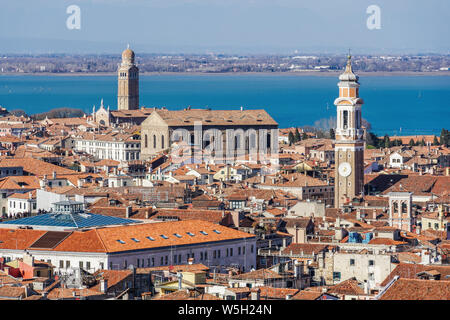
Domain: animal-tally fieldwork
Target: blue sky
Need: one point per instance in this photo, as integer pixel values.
(230, 26)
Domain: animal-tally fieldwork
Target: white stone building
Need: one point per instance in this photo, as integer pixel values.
(113, 145)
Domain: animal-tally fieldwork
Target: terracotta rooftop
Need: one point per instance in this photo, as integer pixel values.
(118, 239)
(215, 117)
(410, 271)
(413, 289)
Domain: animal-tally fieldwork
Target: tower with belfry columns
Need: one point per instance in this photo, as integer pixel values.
(349, 143)
(128, 82)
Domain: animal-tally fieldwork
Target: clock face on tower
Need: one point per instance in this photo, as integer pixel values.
(345, 169)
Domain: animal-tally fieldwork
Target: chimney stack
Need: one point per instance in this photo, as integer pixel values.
(103, 285)
(127, 211)
(255, 294)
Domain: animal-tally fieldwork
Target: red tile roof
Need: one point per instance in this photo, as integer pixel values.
(413, 289)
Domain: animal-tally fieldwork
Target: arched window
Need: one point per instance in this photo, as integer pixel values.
(146, 141)
(154, 142)
(345, 124)
(404, 208)
(162, 142)
(395, 207)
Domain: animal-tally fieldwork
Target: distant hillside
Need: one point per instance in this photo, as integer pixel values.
(59, 113)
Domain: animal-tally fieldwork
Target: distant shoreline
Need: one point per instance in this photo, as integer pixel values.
(300, 74)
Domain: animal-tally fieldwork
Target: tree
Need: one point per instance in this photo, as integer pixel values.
(372, 140)
(291, 138)
(304, 136)
(387, 141)
(411, 142)
(445, 137)
(332, 134)
(435, 141)
(422, 142)
(297, 135)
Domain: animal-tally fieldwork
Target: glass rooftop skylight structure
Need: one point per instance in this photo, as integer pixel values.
(67, 215)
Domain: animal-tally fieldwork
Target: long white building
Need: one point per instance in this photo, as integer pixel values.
(141, 245)
(113, 145)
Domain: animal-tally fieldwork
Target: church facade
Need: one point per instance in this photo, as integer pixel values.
(238, 132)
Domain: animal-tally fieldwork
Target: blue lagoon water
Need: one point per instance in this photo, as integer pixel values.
(393, 104)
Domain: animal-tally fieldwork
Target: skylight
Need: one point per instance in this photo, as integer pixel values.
(164, 236)
(150, 238)
(190, 233)
(177, 235)
(135, 240)
(120, 241)
(204, 233)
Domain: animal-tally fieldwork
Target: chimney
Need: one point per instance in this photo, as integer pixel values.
(366, 288)
(103, 285)
(190, 261)
(255, 294)
(297, 266)
(358, 214)
(127, 211)
(147, 213)
(235, 216)
(80, 183)
(263, 178)
(180, 283)
(28, 259)
(54, 175)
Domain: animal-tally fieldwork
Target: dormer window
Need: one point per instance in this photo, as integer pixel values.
(177, 235)
(164, 236)
(204, 233)
(190, 233)
(120, 241)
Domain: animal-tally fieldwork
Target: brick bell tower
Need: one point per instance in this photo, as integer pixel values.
(349, 143)
(128, 82)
